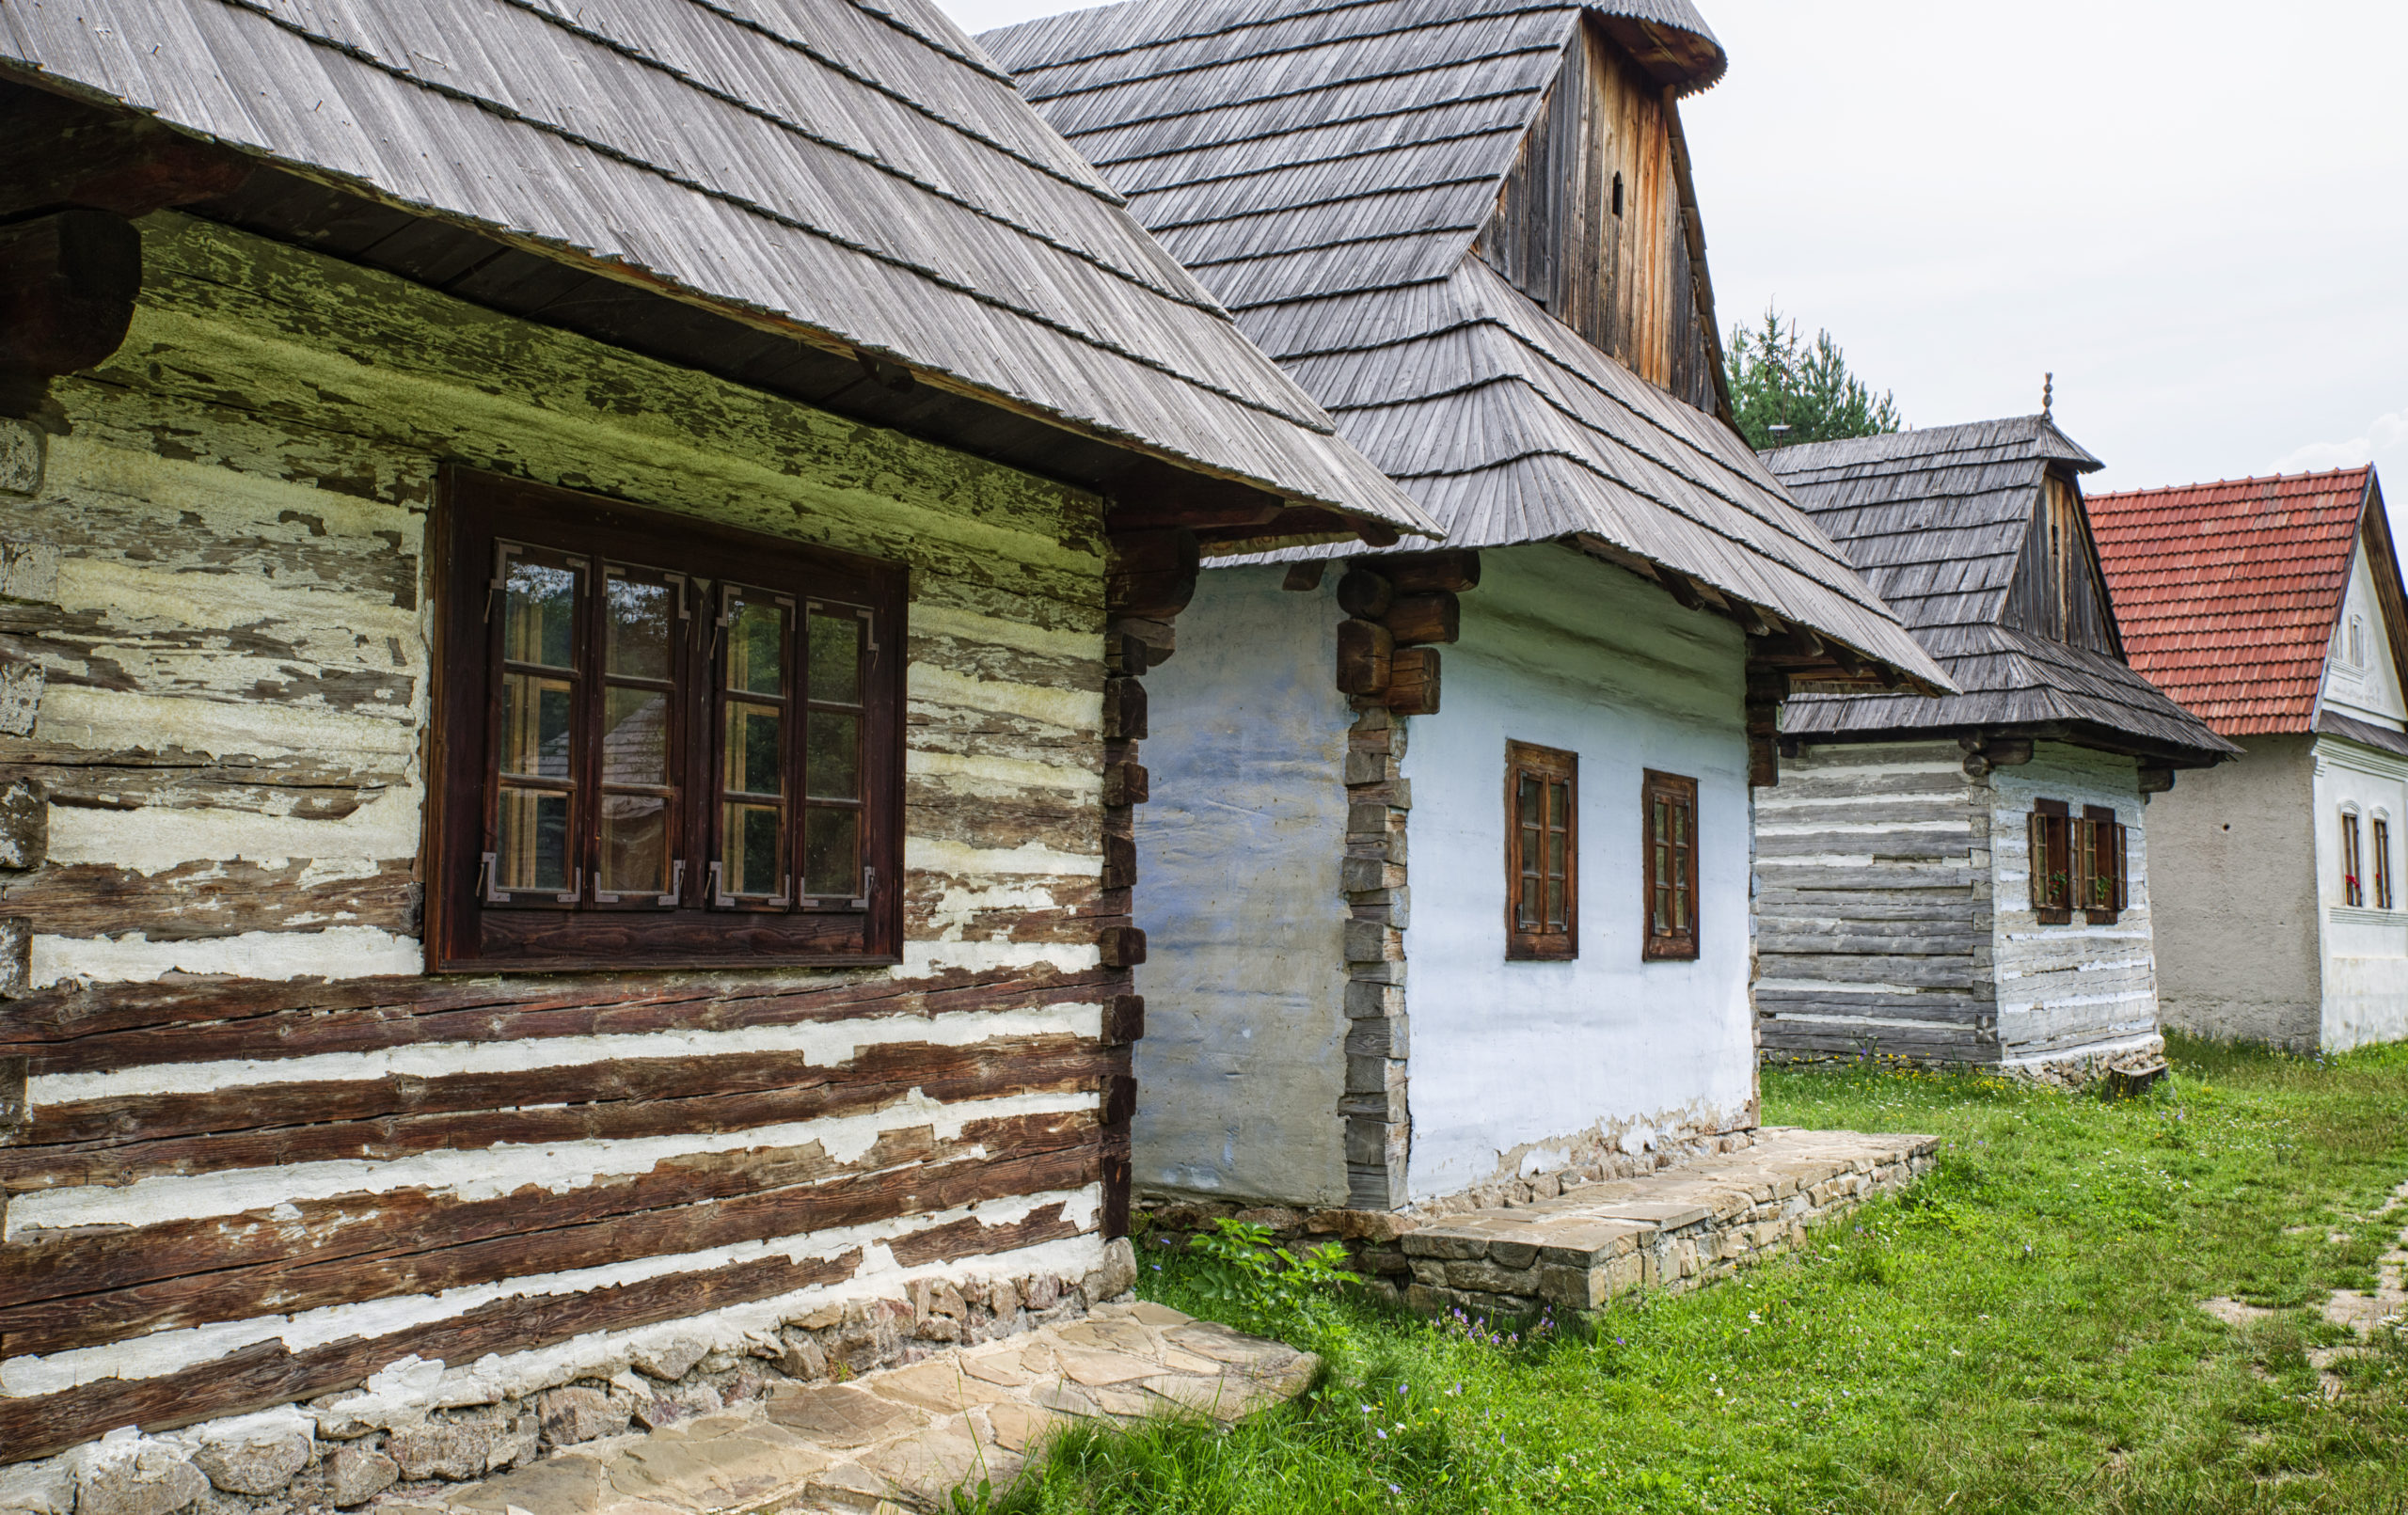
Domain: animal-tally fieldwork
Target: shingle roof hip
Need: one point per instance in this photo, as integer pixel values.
(858, 173)
(1352, 259)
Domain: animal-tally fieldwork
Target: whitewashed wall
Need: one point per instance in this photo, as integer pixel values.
(1518, 1065)
(2067, 992)
(2364, 963)
(1238, 891)
(2234, 901)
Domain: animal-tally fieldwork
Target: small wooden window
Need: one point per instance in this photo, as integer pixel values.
(2382, 864)
(1669, 814)
(2353, 889)
(660, 743)
(2051, 841)
(1541, 853)
(2099, 872)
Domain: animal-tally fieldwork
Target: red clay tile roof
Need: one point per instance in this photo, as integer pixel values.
(2226, 593)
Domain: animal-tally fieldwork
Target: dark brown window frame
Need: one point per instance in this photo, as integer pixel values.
(2353, 892)
(473, 927)
(1667, 943)
(2381, 840)
(1529, 939)
(2101, 876)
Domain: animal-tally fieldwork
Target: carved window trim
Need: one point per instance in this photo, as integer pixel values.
(1668, 908)
(484, 916)
(1541, 803)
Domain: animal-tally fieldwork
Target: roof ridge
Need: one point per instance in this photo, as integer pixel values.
(2234, 483)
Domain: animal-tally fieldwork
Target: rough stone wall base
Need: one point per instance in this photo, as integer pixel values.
(1580, 1253)
(346, 1448)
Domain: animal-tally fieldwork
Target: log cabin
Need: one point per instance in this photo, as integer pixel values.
(1965, 881)
(1470, 232)
(2274, 608)
(576, 587)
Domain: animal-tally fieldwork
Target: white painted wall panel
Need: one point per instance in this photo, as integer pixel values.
(2364, 947)
(1515, 1064)
(1242, 1064)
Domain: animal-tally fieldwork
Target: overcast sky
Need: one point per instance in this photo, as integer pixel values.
(2195, 214)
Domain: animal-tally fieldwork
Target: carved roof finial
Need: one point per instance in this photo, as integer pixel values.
(2048, 392)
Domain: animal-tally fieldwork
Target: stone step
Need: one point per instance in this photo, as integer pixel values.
(1673, 1230)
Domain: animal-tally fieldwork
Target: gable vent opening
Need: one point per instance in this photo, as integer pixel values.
(1617, 192)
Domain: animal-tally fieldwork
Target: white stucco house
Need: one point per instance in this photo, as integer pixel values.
(1407, 951)
(2273, 608)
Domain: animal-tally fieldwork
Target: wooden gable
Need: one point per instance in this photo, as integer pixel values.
(2058, 591)
(1599, 224)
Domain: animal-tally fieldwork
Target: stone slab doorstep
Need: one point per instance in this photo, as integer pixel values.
(903, 1439)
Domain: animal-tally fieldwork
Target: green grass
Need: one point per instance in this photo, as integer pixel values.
(2021, 1332)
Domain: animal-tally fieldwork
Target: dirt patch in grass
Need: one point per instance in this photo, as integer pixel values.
(2024, 1332)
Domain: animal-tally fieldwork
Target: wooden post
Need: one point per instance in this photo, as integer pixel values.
(1418, 620)
(1419, 572)
(1366, 593)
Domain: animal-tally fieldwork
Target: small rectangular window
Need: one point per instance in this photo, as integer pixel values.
(1541, 853)
(2051, 844)
(660, 743)
(1668, 812)
(2099, 876)
(2353, 889)
(2382, 864)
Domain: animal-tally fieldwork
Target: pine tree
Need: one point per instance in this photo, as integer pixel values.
(1784, 392)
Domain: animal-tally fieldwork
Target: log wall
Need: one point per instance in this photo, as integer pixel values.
(1895, 915)
(1874, 906)
(263, 1155)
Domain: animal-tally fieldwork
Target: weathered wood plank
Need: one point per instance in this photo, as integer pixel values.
(83, 1029)
(122, 1139)
(414, 1243)
(214, 899)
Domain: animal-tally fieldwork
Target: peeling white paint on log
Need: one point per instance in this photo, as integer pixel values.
(931, 855)
(107, 719)
(1072, 710)
(989, 778)
(173, 1350)
(814, 1043)
(335, 952)
(484, 1172)
(153, 839)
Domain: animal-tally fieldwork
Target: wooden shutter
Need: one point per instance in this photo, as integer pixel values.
(2054, 845)
(2123, 871)
(1542, 852)
(1668, 835)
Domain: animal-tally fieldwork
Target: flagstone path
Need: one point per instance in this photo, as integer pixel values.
(904, 1438)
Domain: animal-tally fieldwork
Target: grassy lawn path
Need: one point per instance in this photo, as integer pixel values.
(2022, 1332)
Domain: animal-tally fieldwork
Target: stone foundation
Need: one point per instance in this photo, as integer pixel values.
(1673, 1231)
(1371, 1238)
(414, 1429)
(2071, 1071)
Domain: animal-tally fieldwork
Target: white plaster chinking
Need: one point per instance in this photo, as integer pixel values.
(2071, 995)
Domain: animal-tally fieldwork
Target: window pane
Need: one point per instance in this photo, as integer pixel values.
(539, 614)
(635, 845)
(639, 618)
(831, 755)
(752, 859)
(1559, 805)
(753, 749)
(535, 725)
(533, 840)
(836, 658)
(1660, 827)
(830, 839)
(757, 634)
(1525, 913)
(1554, 905)
(1528, 802)
(1663, 908)
(1555, 855)
(635, 737)
(1680, 910)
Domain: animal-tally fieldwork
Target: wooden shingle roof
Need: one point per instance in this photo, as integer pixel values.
(1936, 520)
(852, 172)
(1326, 170)
(2229, 592)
